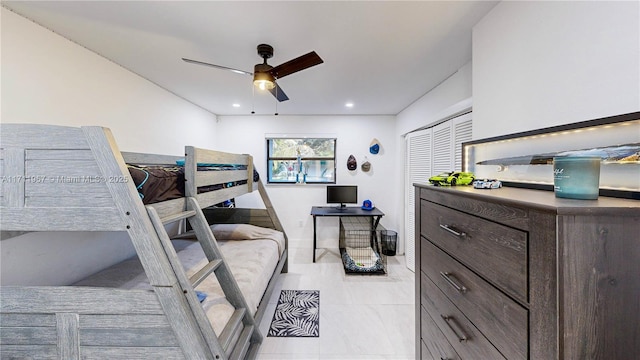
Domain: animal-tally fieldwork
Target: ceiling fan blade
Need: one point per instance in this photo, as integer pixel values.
(217, 66)
(278, 93)
(297, 64)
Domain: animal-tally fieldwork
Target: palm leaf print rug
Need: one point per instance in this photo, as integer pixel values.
(297, 314)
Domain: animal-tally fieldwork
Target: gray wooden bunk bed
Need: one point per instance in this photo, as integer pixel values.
(75, 179)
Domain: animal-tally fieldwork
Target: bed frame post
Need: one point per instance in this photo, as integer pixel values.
(274, 217)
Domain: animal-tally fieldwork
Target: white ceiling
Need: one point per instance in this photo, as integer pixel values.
(379, 55)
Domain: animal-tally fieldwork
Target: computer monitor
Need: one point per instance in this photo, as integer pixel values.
(342, 194)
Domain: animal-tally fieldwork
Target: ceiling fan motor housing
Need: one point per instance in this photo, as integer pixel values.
(262, 68)
(265, 51)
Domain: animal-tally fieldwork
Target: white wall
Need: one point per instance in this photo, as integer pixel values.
(453, 95)
(50, 80)
(354, 134)
(544, 63)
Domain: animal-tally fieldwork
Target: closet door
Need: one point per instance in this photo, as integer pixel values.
(430, 152)
(461, 127)
(442, 148)
(418, 154)
(447, 143)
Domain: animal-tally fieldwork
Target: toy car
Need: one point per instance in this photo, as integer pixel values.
(452, 178)
(487, 184)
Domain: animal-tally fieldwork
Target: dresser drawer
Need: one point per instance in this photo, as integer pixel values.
(501, 320)
(434, 344)
(497, 252)
(468, 342)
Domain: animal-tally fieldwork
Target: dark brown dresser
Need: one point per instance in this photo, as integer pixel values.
(520, 274)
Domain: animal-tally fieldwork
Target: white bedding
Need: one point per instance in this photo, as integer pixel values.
(252, 262)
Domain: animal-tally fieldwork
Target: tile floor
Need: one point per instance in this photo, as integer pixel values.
(361, 317)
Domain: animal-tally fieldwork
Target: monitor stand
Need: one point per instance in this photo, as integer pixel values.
(341, 207)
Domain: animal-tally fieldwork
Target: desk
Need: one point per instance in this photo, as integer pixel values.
(316, 211)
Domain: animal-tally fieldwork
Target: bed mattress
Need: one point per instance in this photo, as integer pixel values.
(252, 262)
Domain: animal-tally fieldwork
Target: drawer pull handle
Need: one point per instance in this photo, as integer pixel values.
(453, 231)
(451, 322)
(459, 288)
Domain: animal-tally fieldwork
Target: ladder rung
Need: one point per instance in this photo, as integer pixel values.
(232, 327)
(240, 350)
(202, 274)
(178, 216)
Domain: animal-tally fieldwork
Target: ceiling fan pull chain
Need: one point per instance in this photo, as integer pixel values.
(276, 101)
(253, 99)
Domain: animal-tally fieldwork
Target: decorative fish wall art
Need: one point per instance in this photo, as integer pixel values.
(618, 154)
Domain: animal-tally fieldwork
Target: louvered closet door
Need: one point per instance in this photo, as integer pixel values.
(418, 154)
(430, 152)
(462, 127)
(442, 148)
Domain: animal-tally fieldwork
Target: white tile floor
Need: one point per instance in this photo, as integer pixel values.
(361, 317)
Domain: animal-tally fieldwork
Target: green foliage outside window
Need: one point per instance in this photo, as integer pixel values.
(310, 160)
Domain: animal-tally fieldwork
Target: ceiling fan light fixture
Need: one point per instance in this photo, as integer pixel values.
(264, 81)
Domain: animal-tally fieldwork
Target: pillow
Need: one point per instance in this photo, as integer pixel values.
(241, 232)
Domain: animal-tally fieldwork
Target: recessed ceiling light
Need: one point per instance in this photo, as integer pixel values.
(349, 104)
(236, 105)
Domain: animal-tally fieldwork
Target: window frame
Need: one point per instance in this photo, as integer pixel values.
(302, 158)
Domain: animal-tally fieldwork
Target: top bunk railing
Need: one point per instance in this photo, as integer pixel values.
(75, 179)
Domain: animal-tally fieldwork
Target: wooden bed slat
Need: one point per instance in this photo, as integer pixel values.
(77, 299)
(57, 154)
(61, 168)
(44, 320)
(204, 156)
(68, 219)
(40, 352)
(28, 335)
(30, 137)
(68, 201)
(123, 321)
(131, 353)
(66, 187)
(206, 178)
(128, 337)
(149, 159)
(216, 197)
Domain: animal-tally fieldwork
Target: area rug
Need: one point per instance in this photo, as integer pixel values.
(297, 314)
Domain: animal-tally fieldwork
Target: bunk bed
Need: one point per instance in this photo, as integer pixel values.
(191, 296)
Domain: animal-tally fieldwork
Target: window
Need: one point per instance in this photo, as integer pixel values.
(310, 160)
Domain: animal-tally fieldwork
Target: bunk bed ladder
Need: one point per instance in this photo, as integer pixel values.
(240, 338)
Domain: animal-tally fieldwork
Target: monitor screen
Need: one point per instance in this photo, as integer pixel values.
(342, 194)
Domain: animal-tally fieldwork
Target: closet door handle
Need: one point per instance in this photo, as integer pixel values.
(453, 231)
(455, 328)
(459, 288)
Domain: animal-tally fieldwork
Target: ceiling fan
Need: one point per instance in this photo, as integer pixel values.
(265, 75)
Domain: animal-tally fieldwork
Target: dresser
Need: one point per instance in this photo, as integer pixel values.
(520, 274)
